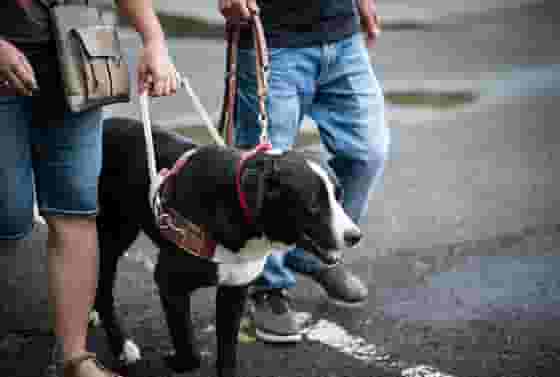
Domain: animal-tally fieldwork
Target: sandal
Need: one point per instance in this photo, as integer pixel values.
(71, 366)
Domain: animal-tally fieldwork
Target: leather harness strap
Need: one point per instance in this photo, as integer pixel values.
(173, 226)
(228, 109)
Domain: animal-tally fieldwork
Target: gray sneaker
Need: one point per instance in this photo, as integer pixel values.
(273, 317)
(341, 286)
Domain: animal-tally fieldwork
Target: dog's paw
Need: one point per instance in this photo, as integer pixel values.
(182, 364)
(130, 353)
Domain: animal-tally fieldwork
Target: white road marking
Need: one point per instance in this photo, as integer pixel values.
(423, 371)
(336, 337)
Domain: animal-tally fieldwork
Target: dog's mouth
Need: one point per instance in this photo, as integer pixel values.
(327, 256)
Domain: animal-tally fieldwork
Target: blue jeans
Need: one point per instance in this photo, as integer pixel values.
(59, 162)
(334, 84)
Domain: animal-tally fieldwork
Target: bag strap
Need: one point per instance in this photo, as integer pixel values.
(233, 32)
(52, 3)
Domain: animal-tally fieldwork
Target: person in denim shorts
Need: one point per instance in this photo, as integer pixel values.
(319, 67)
(54, 156)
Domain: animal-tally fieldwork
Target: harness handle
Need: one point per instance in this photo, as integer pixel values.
(146, 122)
(184, 82)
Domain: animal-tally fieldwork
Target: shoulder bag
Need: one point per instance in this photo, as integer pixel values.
(92, 64)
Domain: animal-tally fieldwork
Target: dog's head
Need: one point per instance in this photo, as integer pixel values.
(291, 199)
(296, 202)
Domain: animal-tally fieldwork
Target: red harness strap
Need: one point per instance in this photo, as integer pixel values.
(262, 147)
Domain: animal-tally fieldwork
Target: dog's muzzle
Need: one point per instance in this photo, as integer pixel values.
(330, 256)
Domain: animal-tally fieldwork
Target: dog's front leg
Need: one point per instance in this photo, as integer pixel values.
(176, 304)
(230, 304)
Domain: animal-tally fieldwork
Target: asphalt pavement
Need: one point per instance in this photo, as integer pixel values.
(461, 237)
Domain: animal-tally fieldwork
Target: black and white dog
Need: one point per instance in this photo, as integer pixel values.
(292, 199)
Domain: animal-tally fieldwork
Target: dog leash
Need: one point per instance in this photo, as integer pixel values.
(233, 32)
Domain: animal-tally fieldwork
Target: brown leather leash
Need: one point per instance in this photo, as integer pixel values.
(233, 32)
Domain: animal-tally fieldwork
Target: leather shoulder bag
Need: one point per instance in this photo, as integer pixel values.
(92, 64)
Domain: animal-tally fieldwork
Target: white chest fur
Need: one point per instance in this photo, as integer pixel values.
(240, 273)
(243, 267)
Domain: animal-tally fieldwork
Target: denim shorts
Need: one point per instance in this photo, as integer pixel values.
(60, 164)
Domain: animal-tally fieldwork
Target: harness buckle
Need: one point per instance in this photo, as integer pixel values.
(263, 120)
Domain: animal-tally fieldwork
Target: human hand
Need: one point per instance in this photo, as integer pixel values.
(371, 24)
(15, 71)
(237, 10)
(156, 71)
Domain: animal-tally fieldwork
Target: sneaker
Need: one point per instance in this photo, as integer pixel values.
(341, 287)
(273, 317)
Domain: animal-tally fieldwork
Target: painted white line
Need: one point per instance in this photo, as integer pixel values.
(336, 337)
(423, 371)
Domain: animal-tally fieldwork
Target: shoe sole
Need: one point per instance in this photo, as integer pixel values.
(340, 303)
(274, 338)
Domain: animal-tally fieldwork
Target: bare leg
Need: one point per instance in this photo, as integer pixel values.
(72, 275)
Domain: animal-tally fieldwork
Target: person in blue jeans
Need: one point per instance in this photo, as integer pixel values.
(319, 67)
(48, 150)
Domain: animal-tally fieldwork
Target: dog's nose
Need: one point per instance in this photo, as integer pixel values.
(352, 237)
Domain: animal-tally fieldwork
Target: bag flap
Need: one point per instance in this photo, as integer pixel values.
(99, 41)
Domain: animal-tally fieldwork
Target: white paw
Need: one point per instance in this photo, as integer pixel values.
(131, 352)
